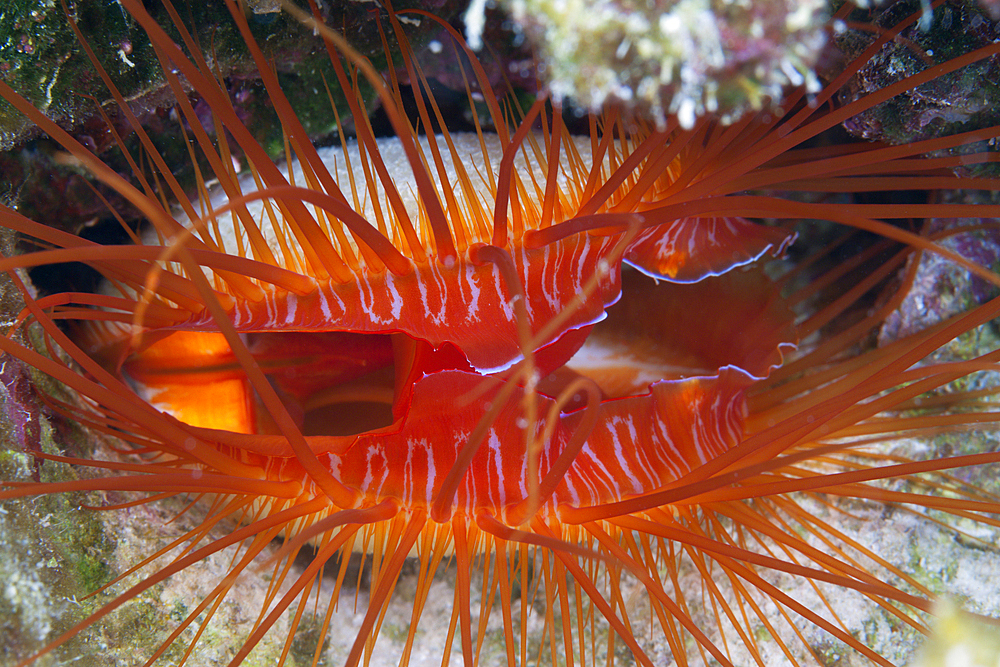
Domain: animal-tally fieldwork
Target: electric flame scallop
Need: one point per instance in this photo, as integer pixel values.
(555, 361)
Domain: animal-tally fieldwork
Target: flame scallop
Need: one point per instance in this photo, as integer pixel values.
(554, 358)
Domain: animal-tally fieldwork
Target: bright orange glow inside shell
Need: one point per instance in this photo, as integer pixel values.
(415, 347)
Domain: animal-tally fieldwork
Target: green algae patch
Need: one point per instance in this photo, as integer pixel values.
(307, 637)
(54, 554)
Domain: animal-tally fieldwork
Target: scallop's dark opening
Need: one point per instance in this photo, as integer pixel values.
(331, 383)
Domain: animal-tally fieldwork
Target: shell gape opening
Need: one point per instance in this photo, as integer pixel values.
(332, 383)
(342, 383)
